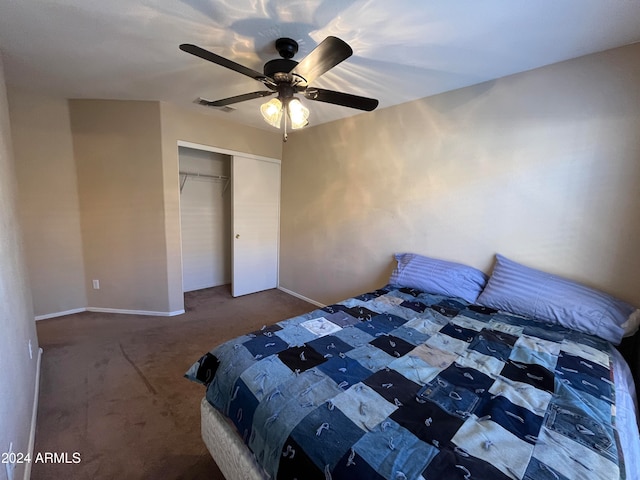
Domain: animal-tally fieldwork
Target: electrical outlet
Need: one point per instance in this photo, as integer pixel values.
(96, 284)
(11, 466)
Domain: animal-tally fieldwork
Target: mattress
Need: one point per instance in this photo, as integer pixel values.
(332, 389)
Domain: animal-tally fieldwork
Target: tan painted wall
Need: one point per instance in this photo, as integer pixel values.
(48, 201)
(17, 370)
(98, 185)
(190, 126)
(117, 148)
(542, 167)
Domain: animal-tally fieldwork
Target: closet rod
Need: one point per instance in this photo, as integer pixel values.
(203, 175)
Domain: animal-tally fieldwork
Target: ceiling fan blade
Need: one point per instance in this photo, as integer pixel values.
(329, 53)
(339, 98)
(224, 62)
(238, 98)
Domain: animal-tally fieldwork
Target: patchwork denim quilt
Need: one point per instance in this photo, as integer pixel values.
(400, 384)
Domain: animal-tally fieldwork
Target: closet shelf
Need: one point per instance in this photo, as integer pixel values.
(186, 175)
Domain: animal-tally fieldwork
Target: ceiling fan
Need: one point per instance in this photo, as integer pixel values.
(287, 77)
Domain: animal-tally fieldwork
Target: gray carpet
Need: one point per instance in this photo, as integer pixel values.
(112, 386)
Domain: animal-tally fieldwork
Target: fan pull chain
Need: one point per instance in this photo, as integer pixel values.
(286, 112)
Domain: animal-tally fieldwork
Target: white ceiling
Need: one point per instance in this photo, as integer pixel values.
(403, 49)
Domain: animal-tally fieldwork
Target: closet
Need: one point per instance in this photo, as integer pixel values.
(229, 219)
(205, 218)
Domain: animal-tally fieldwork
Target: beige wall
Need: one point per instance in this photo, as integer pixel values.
(48, 201)
(542, 167)
(100, 198)
(190, 126)
(17, 369)
(117, 149)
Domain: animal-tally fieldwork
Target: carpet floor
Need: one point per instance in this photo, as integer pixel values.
(112, 386)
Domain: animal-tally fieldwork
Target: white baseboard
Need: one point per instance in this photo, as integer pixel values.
(60, 314)
(34, 416)
(109, 310)
(301, 297)
(134, 312)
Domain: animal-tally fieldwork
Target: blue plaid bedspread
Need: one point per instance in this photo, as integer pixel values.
(400, 384)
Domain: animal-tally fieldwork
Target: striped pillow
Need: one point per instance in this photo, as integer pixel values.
(438, 276)
(525, 291)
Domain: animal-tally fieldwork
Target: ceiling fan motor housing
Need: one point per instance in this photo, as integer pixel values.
(279, 65)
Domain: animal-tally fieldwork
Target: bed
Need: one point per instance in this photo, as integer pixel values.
(443, 373)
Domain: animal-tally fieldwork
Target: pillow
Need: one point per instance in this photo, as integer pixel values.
(525, 291)
(632, 324)
(438, 276)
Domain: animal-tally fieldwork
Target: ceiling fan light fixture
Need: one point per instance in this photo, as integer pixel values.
(298, 113)
(272, 112)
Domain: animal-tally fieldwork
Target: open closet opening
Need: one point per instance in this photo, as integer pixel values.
(205, 218)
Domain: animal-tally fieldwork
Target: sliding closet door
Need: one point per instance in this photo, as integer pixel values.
(256, 224)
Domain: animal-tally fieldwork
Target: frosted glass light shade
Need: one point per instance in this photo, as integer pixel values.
(298, 113)
(272, 112)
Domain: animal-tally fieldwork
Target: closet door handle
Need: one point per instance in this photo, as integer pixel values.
(237, 235)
